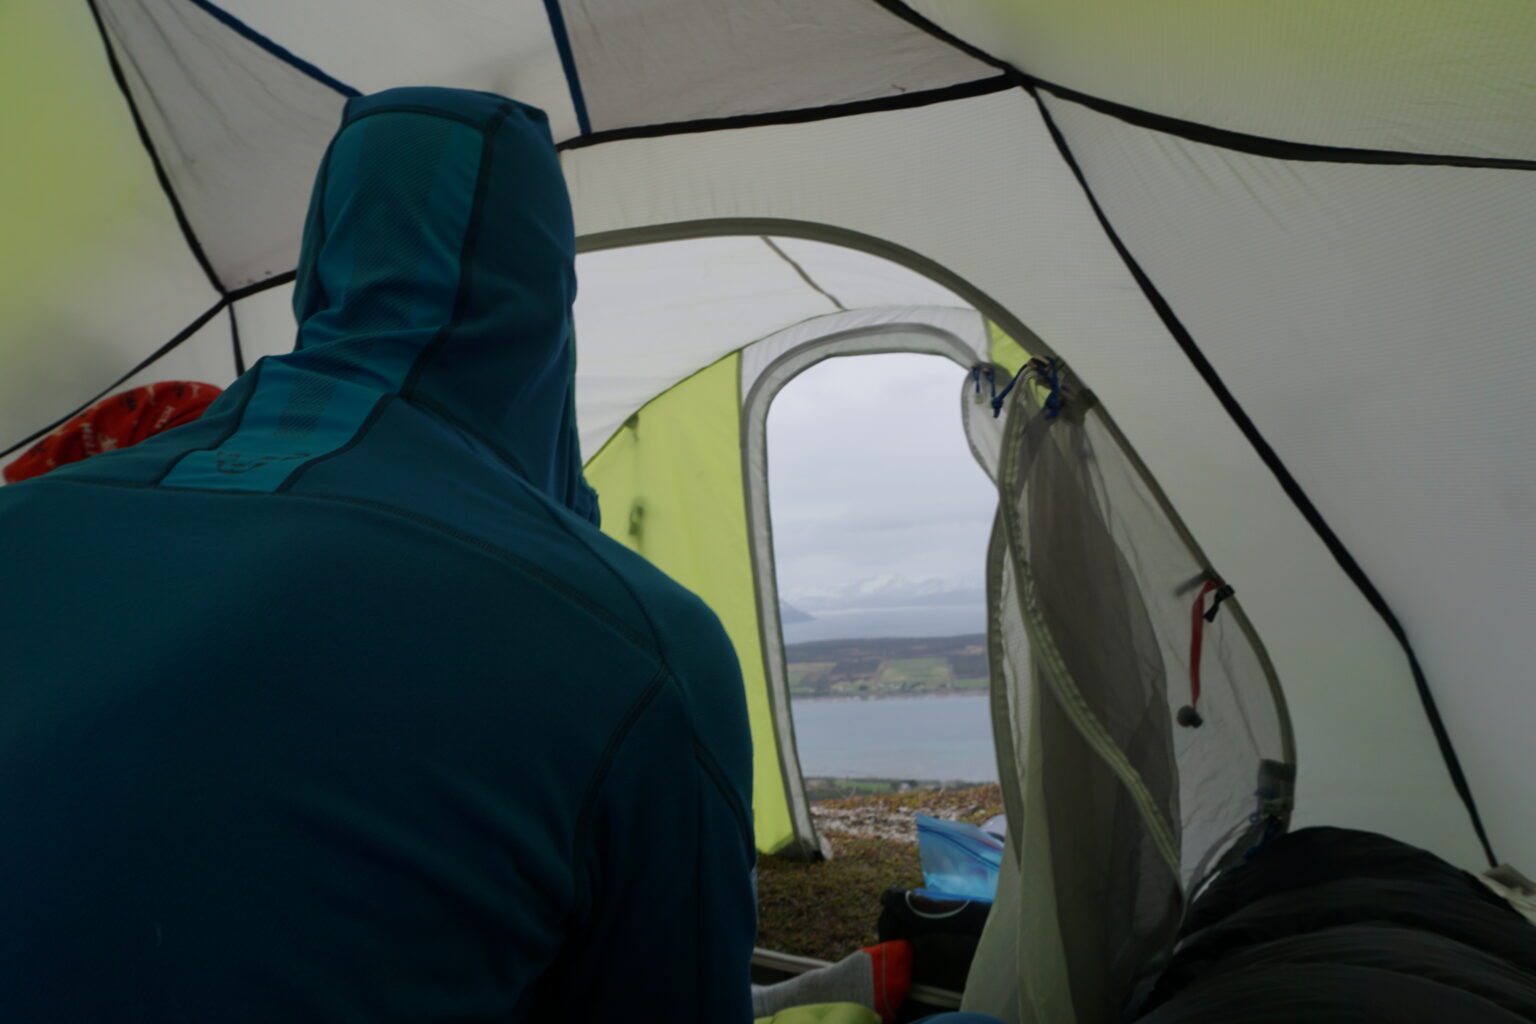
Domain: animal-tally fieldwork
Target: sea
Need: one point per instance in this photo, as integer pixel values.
(924, 739)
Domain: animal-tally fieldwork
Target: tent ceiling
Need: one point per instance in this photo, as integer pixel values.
(647, 63)
(227, 120)
(1417, 77)
(504, 46)
(647, 316)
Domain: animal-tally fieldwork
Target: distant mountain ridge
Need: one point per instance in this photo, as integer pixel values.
(789, 615)
(886, 591)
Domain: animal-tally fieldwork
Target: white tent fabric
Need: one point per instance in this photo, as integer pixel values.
(1340, 665)
(1412, 77)
(1286, 246)
(695, 301)
(504, 46)
(1391, 370)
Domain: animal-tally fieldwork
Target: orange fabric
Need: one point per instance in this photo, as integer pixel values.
(891, 971)
(118, 421)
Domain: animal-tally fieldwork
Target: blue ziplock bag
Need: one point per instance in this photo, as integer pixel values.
(958, 859)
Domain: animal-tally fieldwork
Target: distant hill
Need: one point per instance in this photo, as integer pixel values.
(789, 615)
(886, 667)
(889, 591)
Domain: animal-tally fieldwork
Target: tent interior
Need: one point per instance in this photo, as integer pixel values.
(1262, 274)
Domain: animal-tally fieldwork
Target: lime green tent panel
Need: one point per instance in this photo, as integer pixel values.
(1003, 350)
(670, 487)
(84, 175)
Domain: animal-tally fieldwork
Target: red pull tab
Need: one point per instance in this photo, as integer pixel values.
(1189, 716)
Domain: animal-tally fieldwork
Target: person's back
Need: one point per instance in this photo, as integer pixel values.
(333, 705)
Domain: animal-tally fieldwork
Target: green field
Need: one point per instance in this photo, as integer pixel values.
(880, 668)
(931, 672)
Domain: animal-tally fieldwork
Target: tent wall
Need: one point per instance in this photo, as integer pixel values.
(1017, 229)
(1391, 372)
(669, 483)
(94, 274)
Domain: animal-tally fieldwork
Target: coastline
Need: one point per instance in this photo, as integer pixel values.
(796, 698)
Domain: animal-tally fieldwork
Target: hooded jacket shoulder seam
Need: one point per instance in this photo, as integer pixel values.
(602, 773)
(617, 575)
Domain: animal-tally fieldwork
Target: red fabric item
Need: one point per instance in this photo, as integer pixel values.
(891, 964)
(118, 421)
(1197, 639)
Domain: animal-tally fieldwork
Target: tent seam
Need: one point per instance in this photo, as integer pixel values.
(234, 340)
(568, 65)
(282, 53)
(1224, 138)
(1267, 146)
(257, 287)
(228, 299)
(799, 115)
(804, 276)
(180, 336)
(182, 221)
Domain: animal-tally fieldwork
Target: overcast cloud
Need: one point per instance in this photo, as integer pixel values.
(869, 474)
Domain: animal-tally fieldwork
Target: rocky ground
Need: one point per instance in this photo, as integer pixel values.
(892, 816)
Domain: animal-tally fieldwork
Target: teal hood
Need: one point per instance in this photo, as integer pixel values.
(369, 725)
(438, 264)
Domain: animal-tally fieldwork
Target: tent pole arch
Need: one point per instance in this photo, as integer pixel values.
(925, 339)
(816, 232)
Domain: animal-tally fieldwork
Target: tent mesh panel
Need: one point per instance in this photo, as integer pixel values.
(1134, 807)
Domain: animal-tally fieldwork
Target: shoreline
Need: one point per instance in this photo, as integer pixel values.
(795, 698)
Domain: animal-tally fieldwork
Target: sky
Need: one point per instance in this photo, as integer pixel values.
(869, 474)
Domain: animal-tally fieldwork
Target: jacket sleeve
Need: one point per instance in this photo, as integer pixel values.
(667, 905)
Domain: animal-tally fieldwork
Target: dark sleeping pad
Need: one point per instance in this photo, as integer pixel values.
(1332, 906)
(1311, 855)
(1326, 994)
(1404, 950)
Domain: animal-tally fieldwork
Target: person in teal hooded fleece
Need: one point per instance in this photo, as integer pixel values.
(334, 705)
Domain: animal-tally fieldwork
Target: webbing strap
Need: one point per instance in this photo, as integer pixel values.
(1198, 616)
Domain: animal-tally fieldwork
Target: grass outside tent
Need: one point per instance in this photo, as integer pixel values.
(830, 908)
